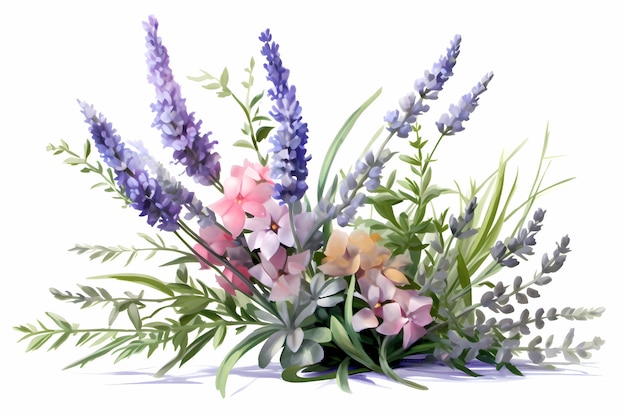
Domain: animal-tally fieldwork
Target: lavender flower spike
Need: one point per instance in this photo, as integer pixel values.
(145, 193)
(427, 88)
(179, 130)
(433, 81)
(289, 157)
(449, 124)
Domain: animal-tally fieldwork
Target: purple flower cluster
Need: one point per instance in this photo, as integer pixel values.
(179, 130)
(451, 123)
(520, 245)
(427, 88)
(145, 193)
(175, 190)
(289, 155)
(367, 173)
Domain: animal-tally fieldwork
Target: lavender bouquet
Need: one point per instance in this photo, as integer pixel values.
(358, 274)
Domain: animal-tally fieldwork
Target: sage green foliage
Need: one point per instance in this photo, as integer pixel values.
(187, 315)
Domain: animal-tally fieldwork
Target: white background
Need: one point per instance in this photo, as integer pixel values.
(556, 64)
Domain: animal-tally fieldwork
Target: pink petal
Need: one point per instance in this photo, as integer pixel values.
(364, 319)
(222, 206)
(411, 334)
(269, 244)
(285, 288)
(393, 321)
(234, 220)
(232, 188)
(254, 207)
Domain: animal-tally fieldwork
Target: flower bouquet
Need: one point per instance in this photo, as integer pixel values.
(359, 274)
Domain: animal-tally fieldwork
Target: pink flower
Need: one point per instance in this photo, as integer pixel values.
(410, 313)
(269, 231)
(376, 289)
(400, 310)
(229, 280)
(393, 320)
(218, 240)
(416, 308)
(245, 191)
(281, 273)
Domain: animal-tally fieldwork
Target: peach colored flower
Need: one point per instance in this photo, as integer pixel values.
(347, 255)
(342, 258)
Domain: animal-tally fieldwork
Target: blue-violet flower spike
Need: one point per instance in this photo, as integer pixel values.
(452, 123)
(145, 193)
(289, 155)
(179, 130)
(427, 88)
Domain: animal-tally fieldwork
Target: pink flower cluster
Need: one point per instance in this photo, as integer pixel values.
(391, 308)
(247, 209)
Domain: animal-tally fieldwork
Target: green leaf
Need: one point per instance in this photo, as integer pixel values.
(243, 144)
(464, 278)
(205, 76)
(190, 304)
(342, 375)
(231, 358)
(271, 347)
(318, 334)
(60, 321)
(390, 372)
(182, 260)
(262, 132)
(60, 341)
(183, 288)
(338, 141)
(197, 345)
(133, 315)
(224, 78)
(102, 351)
(142, 279)
(38, 341)
(74, 161)
(220, 335)
(212, 86)
(256, 99)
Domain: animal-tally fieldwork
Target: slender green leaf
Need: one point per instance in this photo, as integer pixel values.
(133, 315)
(342, 375)
(338, 141)
(142, 279)
(464, 278)
(232, 357)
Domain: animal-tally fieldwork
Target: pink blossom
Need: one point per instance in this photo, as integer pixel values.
(416, 308)
(269, 231)
(393, 320)
(218, 240)
(229, 279)
(376, 289)
(281, 273)
(245, 191)
(400, 310)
